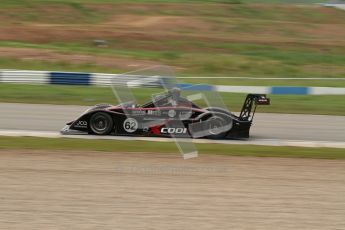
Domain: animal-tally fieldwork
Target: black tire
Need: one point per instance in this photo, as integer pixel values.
(101, 123)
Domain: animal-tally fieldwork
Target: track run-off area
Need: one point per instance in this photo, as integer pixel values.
(41, 120)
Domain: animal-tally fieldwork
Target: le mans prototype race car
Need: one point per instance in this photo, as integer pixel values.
(167, 115)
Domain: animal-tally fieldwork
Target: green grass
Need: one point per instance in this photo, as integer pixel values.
(260, 61)
(268, 82)
(21, 2)
(155, 147)
(63, 66)
(235, 40)
(289, 41)
(204, 70)
(85, 95)
(215, 8)
(11, 3)
(299, 104)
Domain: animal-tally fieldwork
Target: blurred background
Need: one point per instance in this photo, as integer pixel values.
(205, 41)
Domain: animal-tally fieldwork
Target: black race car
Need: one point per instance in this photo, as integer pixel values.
(167, 115)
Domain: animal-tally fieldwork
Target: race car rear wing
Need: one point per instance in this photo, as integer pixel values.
(247, 112)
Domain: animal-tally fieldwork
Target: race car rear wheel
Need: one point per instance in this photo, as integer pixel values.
(101, 123)
(215, 125)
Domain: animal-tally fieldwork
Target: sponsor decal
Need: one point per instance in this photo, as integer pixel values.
(152, 118)
(155, 130)
(130, 125)
(81, 124)
(185, 115)
(174, 130)
(172, 113)
(138, 112)
(154, 112)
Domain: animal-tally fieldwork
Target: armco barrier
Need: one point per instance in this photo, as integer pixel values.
(100, 79)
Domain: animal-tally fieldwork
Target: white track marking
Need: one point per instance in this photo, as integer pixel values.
(265, 142)
(268, 78)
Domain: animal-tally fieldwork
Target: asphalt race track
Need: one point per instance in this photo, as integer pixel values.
(35, 117)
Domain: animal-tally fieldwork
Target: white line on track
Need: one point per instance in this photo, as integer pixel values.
(265, 142)
(268, 78)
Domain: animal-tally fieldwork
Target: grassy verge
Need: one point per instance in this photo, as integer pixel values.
(85, 95)
(10, 3)
(267, 82)
(210, 78)
(240, 60)
(277, 40)
(62, 66)
(154, 147)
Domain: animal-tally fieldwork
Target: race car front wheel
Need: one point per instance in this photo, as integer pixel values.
(101, 123)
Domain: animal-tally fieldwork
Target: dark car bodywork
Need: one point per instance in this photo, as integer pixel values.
(162, 119)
